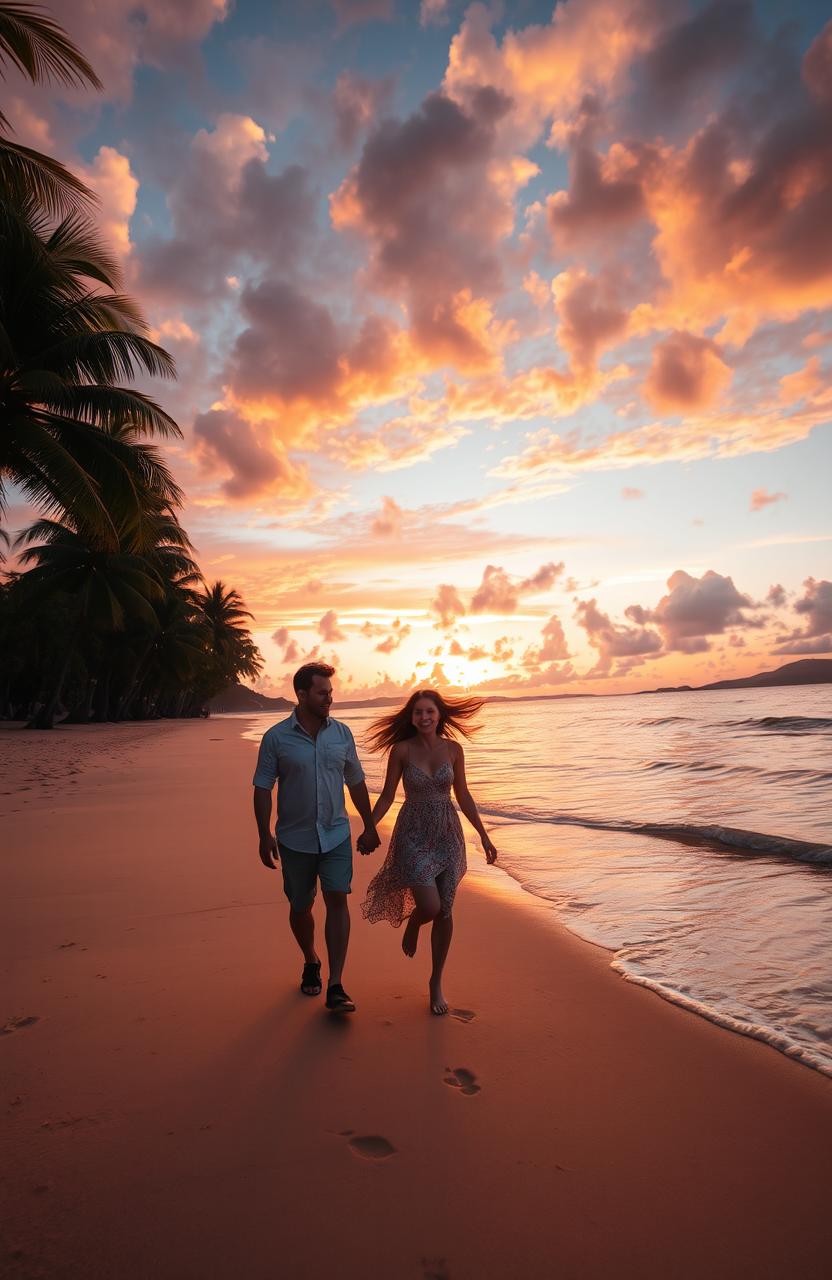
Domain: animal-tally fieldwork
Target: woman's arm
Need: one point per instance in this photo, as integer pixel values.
(395, 762)
(466, 803)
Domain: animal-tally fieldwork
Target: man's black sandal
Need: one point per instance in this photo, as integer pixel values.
(310, 982)
(337, 999)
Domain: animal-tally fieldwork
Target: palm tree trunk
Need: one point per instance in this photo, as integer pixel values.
(44, 717)
(129, 696)
(101, 706)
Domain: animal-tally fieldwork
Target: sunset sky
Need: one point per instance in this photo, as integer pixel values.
(504, 334)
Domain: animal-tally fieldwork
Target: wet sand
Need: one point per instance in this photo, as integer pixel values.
(174, 1107)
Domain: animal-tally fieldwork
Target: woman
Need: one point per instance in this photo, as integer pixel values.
(426, 858)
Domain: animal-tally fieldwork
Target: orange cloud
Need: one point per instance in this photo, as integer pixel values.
(802, 383)
(328, 627)
(498, 593)
(254, 464)
(548, 70)
(590, 316)
(447, 605)
(741, 230)
(686, 373)
(729, 434)
(116, 186)
(553, 649)
(432, 197)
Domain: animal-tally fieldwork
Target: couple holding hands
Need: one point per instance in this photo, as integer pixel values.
(312, 757)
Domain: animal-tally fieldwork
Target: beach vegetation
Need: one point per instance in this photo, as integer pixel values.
(103, 613)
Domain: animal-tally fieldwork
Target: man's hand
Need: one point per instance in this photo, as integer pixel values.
(368, 841)
(268, 852)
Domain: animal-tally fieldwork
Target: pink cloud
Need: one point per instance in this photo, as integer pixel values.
(356, 103)
(614, 640)
(389, 519)
(113, 181)
(328, 628)
(433, 12)
(631, 495)
(226, 207)
(761, 498)
(548, 70)
(394, 640)
(119, 36)
(817, 65)
(591, 318)
(727, 434)
(355, 12)
(599, 201)
(553, 649)
(695, 609)
(713, 40)
(687, 373)
(282, 639)
(257, 463)
(433, 211)
(447, 605)
(289, 349)
(498, 593)
(816, 607)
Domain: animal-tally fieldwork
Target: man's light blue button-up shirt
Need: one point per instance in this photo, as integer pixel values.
(310, 774)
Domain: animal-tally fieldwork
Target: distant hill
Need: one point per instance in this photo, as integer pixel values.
(240, 698)
(804, 671)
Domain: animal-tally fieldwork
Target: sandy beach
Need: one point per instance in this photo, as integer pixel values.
(174, 1107)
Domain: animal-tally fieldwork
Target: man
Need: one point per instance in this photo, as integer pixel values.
(311, 756)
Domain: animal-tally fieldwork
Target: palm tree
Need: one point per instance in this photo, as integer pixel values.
(106, 585)
(39, 48)
(68, 430)
(233, 653)
(223, 610)
(166, 547)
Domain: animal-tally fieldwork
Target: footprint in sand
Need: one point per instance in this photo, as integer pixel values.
(371, 1147)
(463, 1079)
(462, 1015)
(18, 1024)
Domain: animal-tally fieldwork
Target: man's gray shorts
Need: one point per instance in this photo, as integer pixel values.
(301, 871)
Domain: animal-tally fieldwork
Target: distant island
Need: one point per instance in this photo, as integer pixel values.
(238, 697)
(804, 671)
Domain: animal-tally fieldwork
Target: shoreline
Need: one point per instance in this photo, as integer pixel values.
(176, 1108)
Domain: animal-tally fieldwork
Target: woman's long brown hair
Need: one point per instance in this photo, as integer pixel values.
(455, 715)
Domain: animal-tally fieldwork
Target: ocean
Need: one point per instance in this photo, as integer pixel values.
(688, 833)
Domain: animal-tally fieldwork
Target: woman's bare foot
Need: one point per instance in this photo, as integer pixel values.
(438, 1003)
(411, 936)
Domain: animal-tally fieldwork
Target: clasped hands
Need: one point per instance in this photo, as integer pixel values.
(368, 841)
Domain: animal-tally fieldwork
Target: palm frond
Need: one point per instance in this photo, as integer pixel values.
(39, 47)
(41, 530)
(106, 407)
(106, 356)
(56, 189)
(75, 244)
(50, 475)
